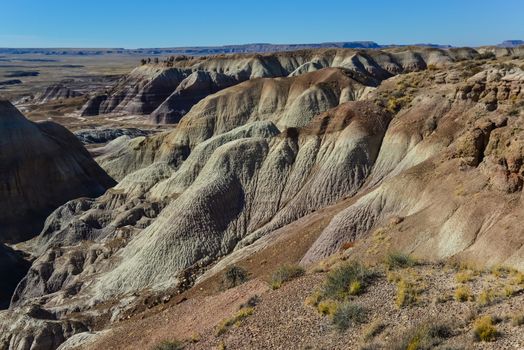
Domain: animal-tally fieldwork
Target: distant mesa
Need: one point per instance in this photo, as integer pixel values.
(511, 43)
(22, 73)
(56, 92)
(10, 82)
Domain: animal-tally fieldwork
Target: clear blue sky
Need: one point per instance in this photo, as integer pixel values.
(163, 23)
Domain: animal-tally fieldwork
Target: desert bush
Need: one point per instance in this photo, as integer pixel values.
(235, 320)
(234, 276)
(355, 288)
(251, 302)
(464, 276)
(407, 294)
(399, 260)
(462, 294)
(486, 297)
(339, 281)
(484, 329)
(508, 291)
(373, 329)
(347, 314)
(327, 307)
(284, 274)
(393, 277)
(519, 278)
(517, 320)
(314, 299)
(426, 335)
(500, 271)
(169, 345)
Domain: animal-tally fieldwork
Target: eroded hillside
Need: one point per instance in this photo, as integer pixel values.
(411, 150)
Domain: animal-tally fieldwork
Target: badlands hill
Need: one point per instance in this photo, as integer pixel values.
(43, 166)
(283, 158)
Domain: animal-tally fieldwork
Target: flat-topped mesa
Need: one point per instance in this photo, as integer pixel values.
(167, 90)
(43, 166)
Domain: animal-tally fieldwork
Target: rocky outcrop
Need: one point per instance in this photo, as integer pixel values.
(35, 328)
(291, 101)
(55, 92)
(43, 166)
(104, 135)
(195, 87)
(415, 152)
(168, 90)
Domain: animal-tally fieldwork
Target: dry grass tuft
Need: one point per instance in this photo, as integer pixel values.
(284, 274)
(463, 294)
(235, 320)
(484, 329)
(407, 294)
(398, 260)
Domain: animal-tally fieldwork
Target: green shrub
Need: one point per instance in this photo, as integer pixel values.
(399, 260)
(284, 274)
(424, 336)
(347, 314)
(355, 288)
(234, 276)
(340, 281)
(169, 345)
(327, 307)
(484, 330)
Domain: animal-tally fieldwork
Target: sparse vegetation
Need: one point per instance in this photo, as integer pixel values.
(486, 297)
(407, 294)
(499, 271)
(508, 291)
(314, 299)
(347, 314)
(169, 345)
(327, 307)
(462, 294)
(235, 320)
(424, 336)
(484, 329)
(355, 288)
(284, 274)
(464, 276)
(398, 260)
(251, 302)
(373, 329)
(234, 276)
(517, 320)
(339, 281)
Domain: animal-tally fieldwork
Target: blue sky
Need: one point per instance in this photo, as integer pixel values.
(163, 23)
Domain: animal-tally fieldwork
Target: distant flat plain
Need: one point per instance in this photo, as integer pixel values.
(83, 73)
